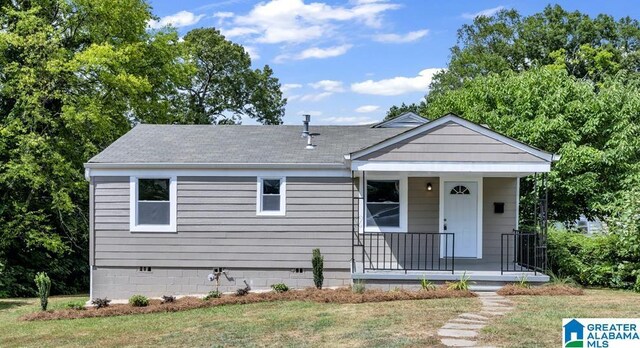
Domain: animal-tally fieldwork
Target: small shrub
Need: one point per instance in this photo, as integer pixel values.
(168, 299)
(563, 281)
(243, 291)
(43, 282)
(462, 284)
(427, 284)
(523, 281)
(358, 287)
(317, 261)
(138, 301)
(79, 306)
(101, 302)
(212, 294)
(280, 287)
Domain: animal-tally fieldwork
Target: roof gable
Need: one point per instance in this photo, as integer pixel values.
(406, 120)
(453, 119)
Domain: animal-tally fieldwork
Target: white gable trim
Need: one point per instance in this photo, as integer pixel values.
(409, 116)
(460, 121)
(452, 167)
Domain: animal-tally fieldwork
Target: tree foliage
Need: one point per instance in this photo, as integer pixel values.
(590, 48)
(74, 76)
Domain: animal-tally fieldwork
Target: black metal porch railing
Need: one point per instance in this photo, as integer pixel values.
(403, 251)
(523, 252)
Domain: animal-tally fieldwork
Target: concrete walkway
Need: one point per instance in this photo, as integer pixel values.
(463, 330)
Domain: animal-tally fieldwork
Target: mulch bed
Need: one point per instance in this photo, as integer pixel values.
(343, 295)
(548, 290)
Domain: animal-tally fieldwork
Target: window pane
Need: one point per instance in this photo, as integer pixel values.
(383, 215)
(383, 191)
(153, 189)
(153, 213)
(271, 187)
(271, 203)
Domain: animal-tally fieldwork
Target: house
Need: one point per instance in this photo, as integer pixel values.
(573, 331)
(386, 204)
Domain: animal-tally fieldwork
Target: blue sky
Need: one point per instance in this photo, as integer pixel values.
(347, 62)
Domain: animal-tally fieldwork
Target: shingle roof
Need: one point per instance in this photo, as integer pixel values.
(239, 144)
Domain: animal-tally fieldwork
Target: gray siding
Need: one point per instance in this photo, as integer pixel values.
(451, 142)
(493, 225)
(218, 226)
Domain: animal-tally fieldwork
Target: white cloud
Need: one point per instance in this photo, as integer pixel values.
(223, 14)
(235, 32)
(315, 52)
(293, 21)
(367, 108)
(289, 86)
(347, 120)
(177, 20)
(253, 52)
(328, 85)
(404, 38)
(486, 12)
(396, 85)
(314, 97)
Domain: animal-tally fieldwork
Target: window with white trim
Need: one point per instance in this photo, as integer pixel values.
(271, 196)
(153, 204)
(383, 203)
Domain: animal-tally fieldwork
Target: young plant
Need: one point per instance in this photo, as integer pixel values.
(317, 261)
(101, 302)
(462, 284)
(168, 299)
(79, 306)
(523, 282)
(43, 282)
(212, 294)
(559, 280)
(358, 287)
(138, 301)
(280, 287)
(427, 284)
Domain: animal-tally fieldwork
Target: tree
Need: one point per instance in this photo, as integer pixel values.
(586, 47)
(223, 87)
(596, 131)
(396, 111)
(74, 76)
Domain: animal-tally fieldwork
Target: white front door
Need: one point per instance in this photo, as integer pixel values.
(461, 216)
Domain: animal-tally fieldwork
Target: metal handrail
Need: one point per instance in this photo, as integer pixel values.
(523, 252)
(403, 251)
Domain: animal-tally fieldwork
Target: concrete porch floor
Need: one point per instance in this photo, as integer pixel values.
(476, 270)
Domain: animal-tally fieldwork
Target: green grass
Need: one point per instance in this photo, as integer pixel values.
(537, 320)
(284, 324)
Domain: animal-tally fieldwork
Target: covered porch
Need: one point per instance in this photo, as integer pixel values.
(441, 201)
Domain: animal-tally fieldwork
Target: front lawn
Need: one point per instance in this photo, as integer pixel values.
(537, 320)
(294, 324)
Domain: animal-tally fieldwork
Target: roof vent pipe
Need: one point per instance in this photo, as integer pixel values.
(310, 145)
(305, 125)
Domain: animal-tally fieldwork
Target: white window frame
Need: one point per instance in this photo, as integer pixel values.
(403, 203)
(133, 205)
(283, 197)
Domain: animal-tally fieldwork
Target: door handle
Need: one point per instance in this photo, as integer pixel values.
(445, 224)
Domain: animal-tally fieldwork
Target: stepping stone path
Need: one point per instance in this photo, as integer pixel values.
(463, 330)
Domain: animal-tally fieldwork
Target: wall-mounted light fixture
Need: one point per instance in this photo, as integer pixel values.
(429, 186)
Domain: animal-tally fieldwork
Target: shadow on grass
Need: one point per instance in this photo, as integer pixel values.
(8, 304)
